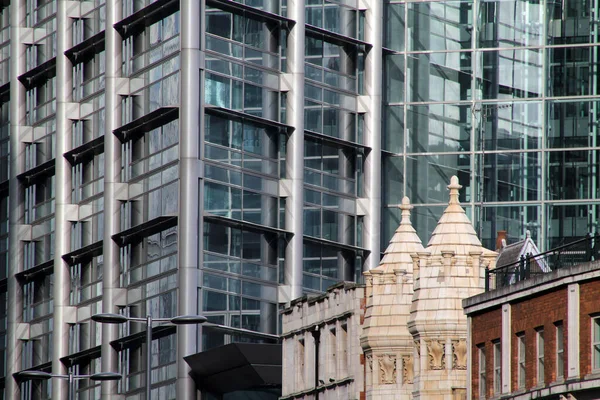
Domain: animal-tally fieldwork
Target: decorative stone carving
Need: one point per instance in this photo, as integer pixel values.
(408, 372)
(459, 351)
(370, 362)
(387, 367)
(437, 356)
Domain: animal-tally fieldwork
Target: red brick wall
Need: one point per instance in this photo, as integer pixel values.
(485, 328)
(589, 305)
(543, 310)
(528, 315)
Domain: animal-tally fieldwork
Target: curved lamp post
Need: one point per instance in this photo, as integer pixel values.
(110, 318)
(44, 376)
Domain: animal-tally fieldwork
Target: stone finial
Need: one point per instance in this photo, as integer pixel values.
(405, 207)
(528, 234)
(454, 187)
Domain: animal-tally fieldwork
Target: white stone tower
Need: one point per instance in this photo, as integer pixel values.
(386, 341)
(449, 270)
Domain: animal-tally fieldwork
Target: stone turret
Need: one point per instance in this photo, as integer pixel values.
(386, 341)
(449, 270)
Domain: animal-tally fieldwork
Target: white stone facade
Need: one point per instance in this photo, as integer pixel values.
(386, 341)
(333, 323)
(412, 342)
(449, 270)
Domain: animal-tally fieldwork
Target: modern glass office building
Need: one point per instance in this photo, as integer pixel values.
(223, 157)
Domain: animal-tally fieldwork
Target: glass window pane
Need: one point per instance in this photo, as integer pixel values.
(510, 126)
(510, 23)
(572, 124)
(427, 177)
(510, 73)
(440, 76)
(440, 25)
(571, 22)
(568, 223)
(572, 175)
(515, 220)
(511, 176)
(394, 74)
(213, 301)
(570, 71)
(394, 26)
(438, 128)
(393, 125)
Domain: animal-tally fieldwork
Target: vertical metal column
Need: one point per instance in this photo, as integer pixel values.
(112, 177)
(373, 89)
(62, 281)
(16, 197)
(189, 218)
(294, 159)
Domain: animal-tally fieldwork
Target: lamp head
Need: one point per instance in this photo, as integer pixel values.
(188, 320)
(110, 318)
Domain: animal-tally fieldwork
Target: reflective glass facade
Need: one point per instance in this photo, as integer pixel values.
(223, 157)
(503, 95)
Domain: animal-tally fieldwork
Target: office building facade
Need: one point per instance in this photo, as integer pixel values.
(223, 157)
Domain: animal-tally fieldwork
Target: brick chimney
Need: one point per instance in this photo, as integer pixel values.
(499, 238)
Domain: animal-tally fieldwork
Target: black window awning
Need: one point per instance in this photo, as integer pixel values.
(337, 245)
(336, 141)
(86, 151)
(252, 12)
(237, 366)
(87, 49)
(245, 225)
(5, 92)
(81, 357)
(83, 253)
(40, 74)
(30, 274)
(38, 173)
(143, 230)
(145, 17)
(138, 127)
(245, 117)
(336, 38)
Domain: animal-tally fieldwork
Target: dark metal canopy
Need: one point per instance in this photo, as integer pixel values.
(237, 366)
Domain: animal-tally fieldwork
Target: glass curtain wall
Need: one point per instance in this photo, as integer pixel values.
(332, 168)
(503, 94)
(240, 148)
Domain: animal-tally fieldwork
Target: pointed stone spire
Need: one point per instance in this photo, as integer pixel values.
(404, 243)
(386, 339)
(454, 231)
(451, 268)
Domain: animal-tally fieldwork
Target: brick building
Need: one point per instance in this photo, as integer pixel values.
(538, 338)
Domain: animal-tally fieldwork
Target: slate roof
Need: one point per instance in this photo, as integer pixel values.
(510, 254)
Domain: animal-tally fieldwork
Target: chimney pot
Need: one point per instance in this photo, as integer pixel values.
(499, 238)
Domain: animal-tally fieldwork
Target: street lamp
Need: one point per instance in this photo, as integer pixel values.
(44, 376)
(111, 318)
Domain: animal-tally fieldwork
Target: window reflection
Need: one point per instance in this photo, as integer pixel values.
(511, 73)
(511, 23)
(439, 76)
(572, 124)
(440, 25)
